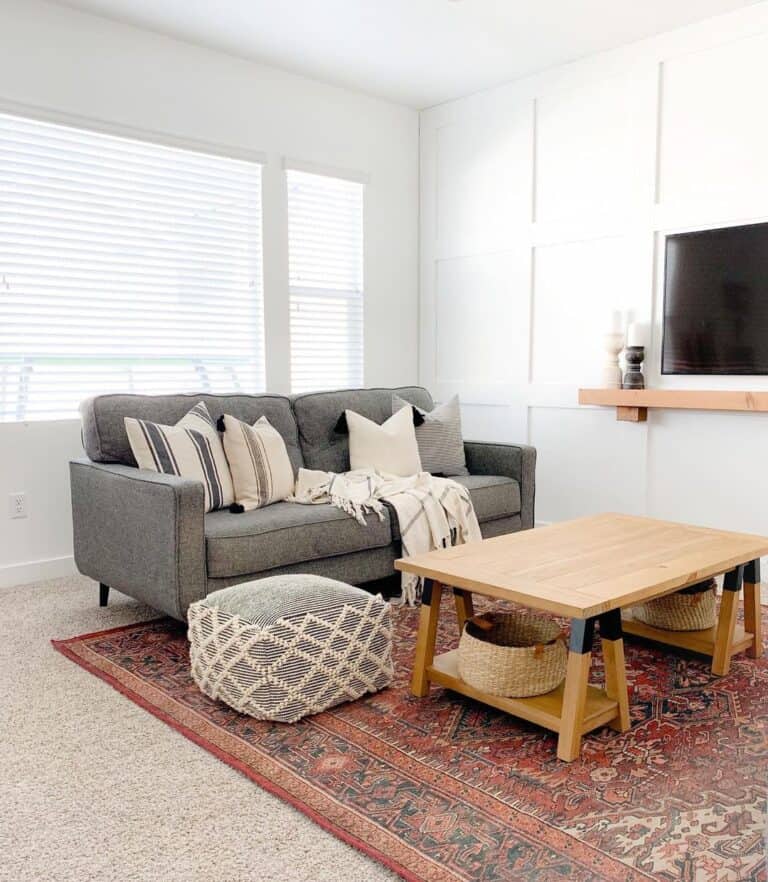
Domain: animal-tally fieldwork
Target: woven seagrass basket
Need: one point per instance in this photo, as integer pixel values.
(692, 609)
(514, 654)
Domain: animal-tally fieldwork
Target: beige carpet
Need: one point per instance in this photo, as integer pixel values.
(92, 787)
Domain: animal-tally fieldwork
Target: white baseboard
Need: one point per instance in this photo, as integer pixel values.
(37, 571)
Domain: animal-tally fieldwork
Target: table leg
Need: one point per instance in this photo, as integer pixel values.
(726, 622)
(753, 619)
(575, 692)
(464, 606)
(425, 641)
(612, 642)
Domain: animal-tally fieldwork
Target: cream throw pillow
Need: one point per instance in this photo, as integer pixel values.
(191, 449)
(389, 448)
(258, 459)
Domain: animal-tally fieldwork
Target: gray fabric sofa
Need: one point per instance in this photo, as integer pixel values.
(146, 534)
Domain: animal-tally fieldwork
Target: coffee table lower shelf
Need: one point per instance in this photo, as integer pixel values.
(694, 641)
(544, 710)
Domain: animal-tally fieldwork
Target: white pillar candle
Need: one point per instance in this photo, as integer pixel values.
(636, 334)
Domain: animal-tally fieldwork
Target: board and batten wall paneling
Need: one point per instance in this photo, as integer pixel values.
(604, 170)
(707, 467)
(572, 452)
(576, 287)
(477, 332)
(477, 204)
(544, 206)
(714, 132)
(483, 184)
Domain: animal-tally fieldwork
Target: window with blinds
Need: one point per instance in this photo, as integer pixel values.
(125, 266)
(325, 262)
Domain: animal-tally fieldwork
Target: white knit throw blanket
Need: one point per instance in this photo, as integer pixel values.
(432, 512)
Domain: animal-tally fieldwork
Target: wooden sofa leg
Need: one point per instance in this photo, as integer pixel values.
(103, 594)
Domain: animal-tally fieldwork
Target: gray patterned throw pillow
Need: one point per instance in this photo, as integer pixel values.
(441, 446)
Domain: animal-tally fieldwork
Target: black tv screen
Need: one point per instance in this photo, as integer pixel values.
(716, 302)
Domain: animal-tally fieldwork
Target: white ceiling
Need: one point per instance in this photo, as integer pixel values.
(416, 52)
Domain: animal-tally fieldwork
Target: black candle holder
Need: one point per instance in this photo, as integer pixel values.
(633, 376)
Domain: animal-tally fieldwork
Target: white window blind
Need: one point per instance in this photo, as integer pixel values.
(325, 261)
(125, 266)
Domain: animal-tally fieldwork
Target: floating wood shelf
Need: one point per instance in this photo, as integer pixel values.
(632, 404)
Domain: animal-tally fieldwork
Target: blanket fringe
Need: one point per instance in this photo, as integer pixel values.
(358, 510)
(432, 512)
(410, 594)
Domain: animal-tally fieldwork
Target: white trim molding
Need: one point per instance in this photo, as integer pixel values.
(329, 171)
(104, 127)
(37, 571)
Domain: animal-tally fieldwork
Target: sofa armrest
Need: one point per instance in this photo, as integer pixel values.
(516, 461)
(140, 532)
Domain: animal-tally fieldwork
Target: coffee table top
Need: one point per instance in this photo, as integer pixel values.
(590, 565)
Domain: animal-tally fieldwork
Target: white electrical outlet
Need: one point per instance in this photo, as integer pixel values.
(17, 505)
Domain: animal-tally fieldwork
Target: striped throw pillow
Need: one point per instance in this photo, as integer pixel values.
(441, 446)
(191, 449)
(261, 470)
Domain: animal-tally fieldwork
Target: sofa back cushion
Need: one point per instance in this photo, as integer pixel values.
(318, 412)
(105, 438)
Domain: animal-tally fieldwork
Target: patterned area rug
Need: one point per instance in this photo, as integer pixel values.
(443, 788)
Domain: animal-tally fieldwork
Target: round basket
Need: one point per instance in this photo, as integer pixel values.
(514, 654)
(692, 609)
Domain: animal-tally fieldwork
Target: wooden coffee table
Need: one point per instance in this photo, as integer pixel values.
(589, 570)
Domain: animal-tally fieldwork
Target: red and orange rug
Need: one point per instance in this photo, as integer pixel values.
(445, 789)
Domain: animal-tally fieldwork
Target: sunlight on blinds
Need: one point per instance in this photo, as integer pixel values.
(125, 266)
(325, 241)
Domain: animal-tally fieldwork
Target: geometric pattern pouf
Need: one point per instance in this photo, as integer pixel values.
(284, 647)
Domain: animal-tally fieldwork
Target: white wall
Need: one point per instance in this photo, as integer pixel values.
(543, 207)
(58, 61)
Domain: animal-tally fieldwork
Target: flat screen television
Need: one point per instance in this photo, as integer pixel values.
(716, 302)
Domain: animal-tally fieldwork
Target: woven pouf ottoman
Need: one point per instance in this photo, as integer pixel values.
(284, 647)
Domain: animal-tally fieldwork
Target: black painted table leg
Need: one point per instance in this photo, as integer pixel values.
(726, 622)
(753, 619)
(612, 640)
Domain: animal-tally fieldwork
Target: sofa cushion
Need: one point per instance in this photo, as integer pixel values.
(318, 412)
(493, 497)
(285, 533)
(105, 438)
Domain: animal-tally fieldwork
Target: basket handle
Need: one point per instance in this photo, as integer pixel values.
(538, 648)
(484, 621)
